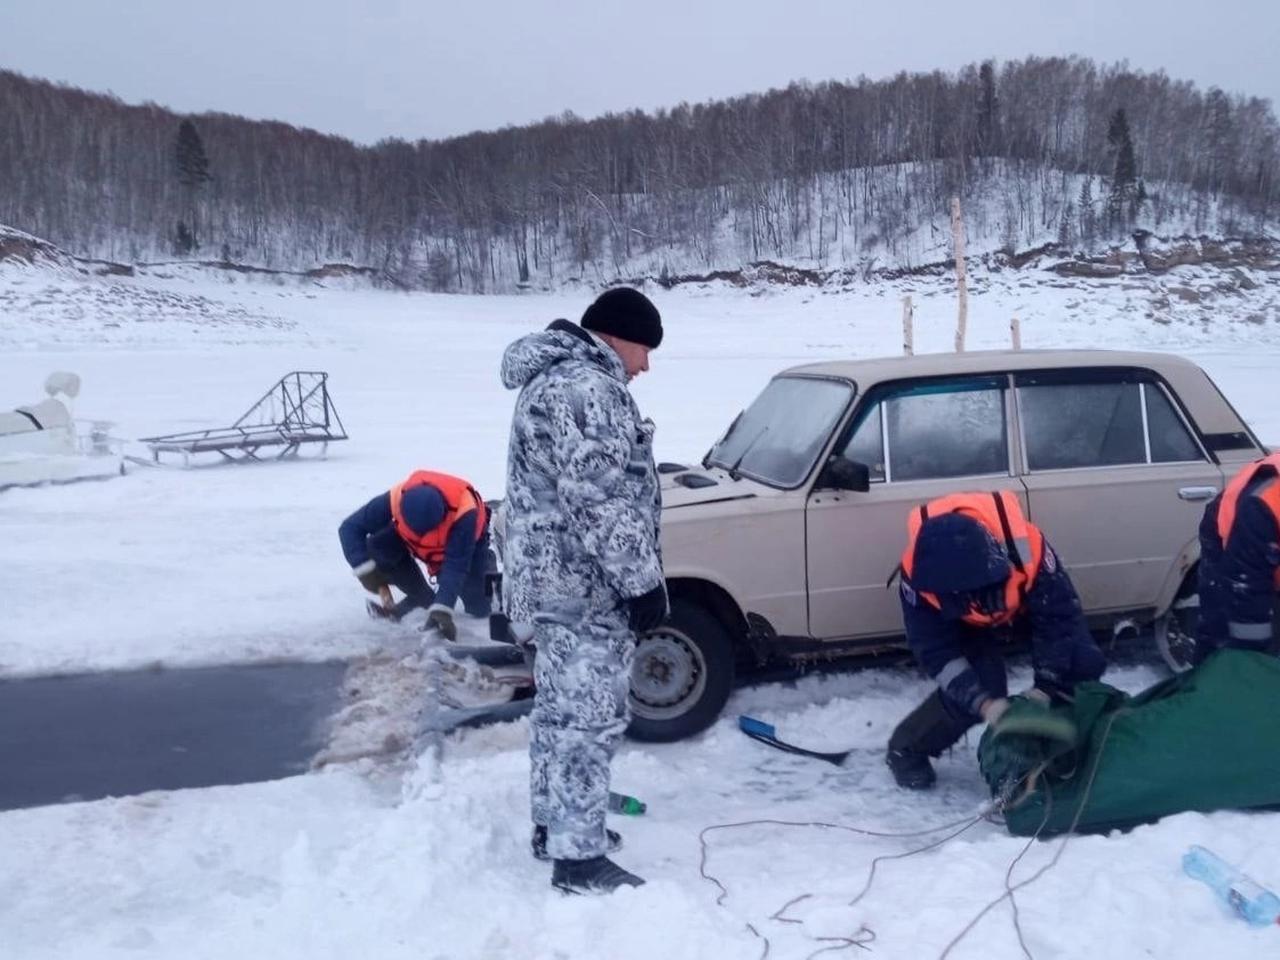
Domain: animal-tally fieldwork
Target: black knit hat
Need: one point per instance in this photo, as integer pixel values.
(627, 314)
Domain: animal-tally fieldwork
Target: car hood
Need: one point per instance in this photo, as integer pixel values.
(696, 486)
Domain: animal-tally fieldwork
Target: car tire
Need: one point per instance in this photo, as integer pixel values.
(1175, 630)
(681, 676)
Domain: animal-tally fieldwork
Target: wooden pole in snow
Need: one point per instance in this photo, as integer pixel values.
(957, 233)
(908, 333)
(1015, 331)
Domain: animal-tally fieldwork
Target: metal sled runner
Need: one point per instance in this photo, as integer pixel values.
(297, 410)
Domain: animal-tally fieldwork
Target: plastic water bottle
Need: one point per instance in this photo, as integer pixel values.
(621, 803)
(1250, 900)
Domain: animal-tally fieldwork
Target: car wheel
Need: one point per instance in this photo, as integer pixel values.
(1176, 630)
(681, 676)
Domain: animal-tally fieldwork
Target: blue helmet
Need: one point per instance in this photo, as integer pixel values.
(955, 553)
(423, 508)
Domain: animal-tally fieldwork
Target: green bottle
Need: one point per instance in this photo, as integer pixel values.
(629, 806)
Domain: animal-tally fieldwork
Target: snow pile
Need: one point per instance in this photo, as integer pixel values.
(20, 252)
(329, 276)
(108, 308)
(50, 297)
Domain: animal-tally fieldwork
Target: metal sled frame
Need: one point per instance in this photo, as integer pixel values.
(297, 410)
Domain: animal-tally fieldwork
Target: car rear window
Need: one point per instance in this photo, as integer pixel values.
(1082, 425)
(1100, 424)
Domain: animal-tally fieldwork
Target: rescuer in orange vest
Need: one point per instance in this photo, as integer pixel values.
(973, 567)
(1240, 562)
(438, 519)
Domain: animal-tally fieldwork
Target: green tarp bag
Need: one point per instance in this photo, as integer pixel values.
(1204, 740)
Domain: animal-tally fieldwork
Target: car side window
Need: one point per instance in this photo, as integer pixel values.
(945, 431)
(1100, 424)
(1070, 425)
(1171, 441)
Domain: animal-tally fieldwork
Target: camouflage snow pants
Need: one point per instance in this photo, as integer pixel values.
(582, 675)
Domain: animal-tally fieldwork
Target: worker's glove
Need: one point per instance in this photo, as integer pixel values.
(992, 710)
(647, 611)
(370, 577)
(988, 600)
(1031, 716)
(440, 617)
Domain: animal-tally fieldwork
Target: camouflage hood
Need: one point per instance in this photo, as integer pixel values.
(561, 341)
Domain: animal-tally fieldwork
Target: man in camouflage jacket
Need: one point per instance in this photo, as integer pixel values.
(582, 565)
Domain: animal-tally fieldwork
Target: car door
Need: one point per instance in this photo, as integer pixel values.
(920, 440)
(1115, 479)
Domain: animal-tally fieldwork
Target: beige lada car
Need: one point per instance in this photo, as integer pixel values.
(778, 547)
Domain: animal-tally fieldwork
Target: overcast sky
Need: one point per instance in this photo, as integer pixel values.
(382, 68)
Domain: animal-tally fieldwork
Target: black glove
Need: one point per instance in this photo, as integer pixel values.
(647, 611)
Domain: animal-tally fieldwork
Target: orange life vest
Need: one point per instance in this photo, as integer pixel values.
(1268, 493)
(459, 498)
(1001, 514)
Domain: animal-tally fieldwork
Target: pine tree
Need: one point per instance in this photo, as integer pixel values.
(1124, 176)
(192, 165)
(1086, 213)
(192, 161)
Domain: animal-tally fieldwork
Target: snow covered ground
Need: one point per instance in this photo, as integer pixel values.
(233, 563)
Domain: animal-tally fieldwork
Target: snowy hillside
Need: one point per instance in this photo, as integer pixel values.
(218, 564)
(841, 230)
(852, 175)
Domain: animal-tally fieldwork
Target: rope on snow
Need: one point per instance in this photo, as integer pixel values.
(863, 936)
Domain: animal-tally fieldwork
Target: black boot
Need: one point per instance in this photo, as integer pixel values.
(597, 875)
(911, 770)
(925, 732)
(539, 842)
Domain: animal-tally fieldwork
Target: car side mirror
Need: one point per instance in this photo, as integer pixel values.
(841, 473)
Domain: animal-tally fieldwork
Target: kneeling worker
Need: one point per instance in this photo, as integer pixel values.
(973, 564)
(1240, 562)
(437, 518)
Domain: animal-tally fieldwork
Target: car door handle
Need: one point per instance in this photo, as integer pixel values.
(1197, 493)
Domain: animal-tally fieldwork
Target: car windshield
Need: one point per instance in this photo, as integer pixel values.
(777, 438)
